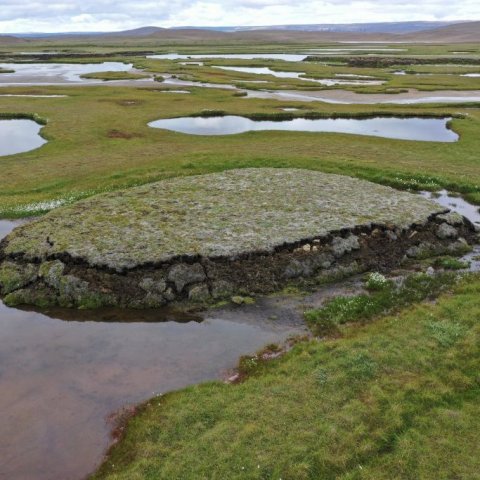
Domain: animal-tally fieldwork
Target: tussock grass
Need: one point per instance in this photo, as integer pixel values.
(385, 298)
(395, 398)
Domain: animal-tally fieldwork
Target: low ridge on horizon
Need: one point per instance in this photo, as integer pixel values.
(361, 27)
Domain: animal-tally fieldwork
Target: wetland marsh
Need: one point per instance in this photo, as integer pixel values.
(68, 373)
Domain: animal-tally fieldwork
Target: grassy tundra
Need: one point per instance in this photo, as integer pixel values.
(389, 397)
(99, 140)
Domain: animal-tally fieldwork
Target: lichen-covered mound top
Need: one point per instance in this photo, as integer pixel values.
(220, 214)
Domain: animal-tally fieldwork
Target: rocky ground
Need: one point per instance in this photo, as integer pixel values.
(205, 238)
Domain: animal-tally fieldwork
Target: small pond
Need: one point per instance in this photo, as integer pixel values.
(18, 136)
(455, 203)
(52, 73)
(413, 128)
(288, 57)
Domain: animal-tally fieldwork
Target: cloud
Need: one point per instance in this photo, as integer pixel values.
(105, 15)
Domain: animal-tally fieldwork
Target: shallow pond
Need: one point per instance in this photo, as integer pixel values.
(347, 97)
(468, 210)
(455, 203)
(64, 372)
(288, 57)
(298, 76)
(18, 136)
(53, 73)
(423, 129)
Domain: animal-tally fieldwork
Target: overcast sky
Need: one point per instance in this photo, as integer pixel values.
(109, 15)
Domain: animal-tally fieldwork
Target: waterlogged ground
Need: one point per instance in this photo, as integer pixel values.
(64, 372)
(299, 76)
(345, 97)
(55, 73)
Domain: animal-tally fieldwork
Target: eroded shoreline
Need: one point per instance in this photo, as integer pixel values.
(221, 235)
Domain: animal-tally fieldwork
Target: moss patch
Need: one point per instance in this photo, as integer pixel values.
(218, 215)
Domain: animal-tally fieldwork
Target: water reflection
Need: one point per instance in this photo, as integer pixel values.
(414, 128)
(52, 73)
(300, 76)
(18, 136)
(288, 57)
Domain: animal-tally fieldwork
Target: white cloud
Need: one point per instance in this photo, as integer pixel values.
(99, 15)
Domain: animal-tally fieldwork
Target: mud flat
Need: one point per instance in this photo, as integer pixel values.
(203, 238)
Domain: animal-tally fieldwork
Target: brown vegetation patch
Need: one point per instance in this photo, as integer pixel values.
(125, 135)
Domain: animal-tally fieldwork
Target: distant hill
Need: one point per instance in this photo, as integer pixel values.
(378, 27)
(457, 33)
(446, 32)
(10, 40)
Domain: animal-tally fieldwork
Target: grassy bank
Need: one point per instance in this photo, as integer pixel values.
(393, 398)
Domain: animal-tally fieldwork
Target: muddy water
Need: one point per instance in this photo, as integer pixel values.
(62, 373)
(420, 129)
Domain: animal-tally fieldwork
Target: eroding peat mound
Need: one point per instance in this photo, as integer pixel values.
(202, 238)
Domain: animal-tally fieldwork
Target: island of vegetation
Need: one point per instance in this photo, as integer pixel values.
(204, 238)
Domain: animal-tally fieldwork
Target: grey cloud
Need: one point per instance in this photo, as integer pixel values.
(57, 15)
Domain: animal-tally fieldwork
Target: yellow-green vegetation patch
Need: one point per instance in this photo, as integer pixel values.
(217, 215)
(108, 76)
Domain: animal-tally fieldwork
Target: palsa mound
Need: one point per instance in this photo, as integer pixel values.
(207, 237)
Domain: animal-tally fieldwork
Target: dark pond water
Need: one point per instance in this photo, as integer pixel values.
(63, 372)
(18, 136)
(423, 129)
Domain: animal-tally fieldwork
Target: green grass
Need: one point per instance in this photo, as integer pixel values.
(108, 76)
(385, 298)
(82, 157)
(397, 398)
(386, 397)
(450, 263)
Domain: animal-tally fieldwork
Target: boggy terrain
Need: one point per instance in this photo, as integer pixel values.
(209, 237)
